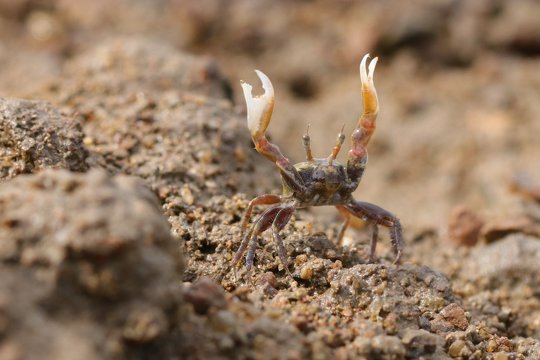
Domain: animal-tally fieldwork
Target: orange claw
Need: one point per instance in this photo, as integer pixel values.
(369, 97)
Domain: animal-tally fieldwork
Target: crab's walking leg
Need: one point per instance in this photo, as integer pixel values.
(266, 199)
(373, 243)
(357, 157)
(263, 222)
(259, 112)
(378, 216)
(306, 140)
(282, 218)
(339, 141)
(346, 220)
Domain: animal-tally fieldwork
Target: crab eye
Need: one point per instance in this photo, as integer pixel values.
(318, 175)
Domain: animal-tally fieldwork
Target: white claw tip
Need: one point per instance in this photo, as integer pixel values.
(366, 72)
(259, 108)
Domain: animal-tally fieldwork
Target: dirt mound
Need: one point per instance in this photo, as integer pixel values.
(92, 271)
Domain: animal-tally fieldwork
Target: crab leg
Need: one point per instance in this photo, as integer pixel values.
(259, 113)
(378, 216)
(346, 220)
(266, 199)
(263, 222)
(357, 157)
(282, 218)
(373, 243)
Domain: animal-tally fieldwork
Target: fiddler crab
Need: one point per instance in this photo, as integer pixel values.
(314, 182)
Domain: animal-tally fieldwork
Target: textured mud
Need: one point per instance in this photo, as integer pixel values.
(126, 166)
(35, 136)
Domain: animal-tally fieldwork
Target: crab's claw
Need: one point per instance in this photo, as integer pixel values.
(369, 94)
(357, 158)
(259, 112)
(259, 108)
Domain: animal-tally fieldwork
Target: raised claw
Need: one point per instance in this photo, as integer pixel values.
(358, 156)
(369, 94)
(259, 112)
(259, 108)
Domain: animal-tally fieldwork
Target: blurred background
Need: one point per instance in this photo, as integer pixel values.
(458, 81)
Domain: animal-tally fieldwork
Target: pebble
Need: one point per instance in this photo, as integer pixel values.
(204, 294)
(500, 356)
(464, 226)
(187, 195)
(306, 273)
(455, 315)
(458, 348)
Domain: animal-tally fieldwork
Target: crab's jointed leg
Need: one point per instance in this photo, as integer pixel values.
(378, 216)
(263, 222)
(266, 199)
(373, 243)
(282, 218)
(357, 157)
(276, 216)
(346, 220)
(259, 113)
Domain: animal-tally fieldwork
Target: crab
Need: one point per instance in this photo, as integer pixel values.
(314, 182)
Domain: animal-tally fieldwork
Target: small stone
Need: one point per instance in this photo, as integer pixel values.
(300, 259)
(388, 347)
(144, 325)
(419, 342)
(504, 344)
(497, 230)
(204, 294)
(390, 323)
(455, 350)
(455, 315)
(306, 273)
(491, 346)
(10, 350)
(464, 226)
(270, 279)
(187, 195)
(500, 356)
(269, 283)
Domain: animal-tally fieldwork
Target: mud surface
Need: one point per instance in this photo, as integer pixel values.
(127, 165)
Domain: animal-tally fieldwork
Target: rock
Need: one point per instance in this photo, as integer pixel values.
(529, 347)
(145, 324)
(512, 260)
(92, 242)
(407, 292)
(387, 347)
(421, 343)
(34, 135)
(498, 229)
(204, 294)
(464, 226)
(459, 349)
(455, 315)
(516, 28)
(90, 215)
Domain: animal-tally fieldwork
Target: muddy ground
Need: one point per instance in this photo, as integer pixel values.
(126, 165)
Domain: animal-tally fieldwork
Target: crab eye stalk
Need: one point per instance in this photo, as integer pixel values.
(259, 108)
